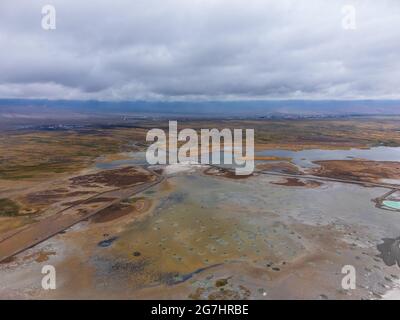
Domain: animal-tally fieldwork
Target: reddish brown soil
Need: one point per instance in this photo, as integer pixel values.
(140, 205)
(112, 212)
(121, 177)
(50, 196)
(361, 170)
(294, 182)
(94, 200)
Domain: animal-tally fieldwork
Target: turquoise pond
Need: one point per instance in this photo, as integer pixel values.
(391, 204)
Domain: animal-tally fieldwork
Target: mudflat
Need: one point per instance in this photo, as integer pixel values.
(199, 232)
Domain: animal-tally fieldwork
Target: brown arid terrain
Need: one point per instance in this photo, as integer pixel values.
(294, 182)
(41, 154)
(360, 170)
(107, 189)
(300, 134)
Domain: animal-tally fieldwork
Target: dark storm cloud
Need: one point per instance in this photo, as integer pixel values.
(200, 49)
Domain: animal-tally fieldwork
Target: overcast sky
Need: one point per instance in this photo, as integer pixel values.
(200, 49)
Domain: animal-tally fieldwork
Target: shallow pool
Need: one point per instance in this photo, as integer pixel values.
(392, 204)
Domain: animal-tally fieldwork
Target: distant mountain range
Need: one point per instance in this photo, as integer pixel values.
(23, 108)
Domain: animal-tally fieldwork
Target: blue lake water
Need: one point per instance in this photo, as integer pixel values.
(304, 158)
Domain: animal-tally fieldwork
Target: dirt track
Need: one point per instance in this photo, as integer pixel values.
(314, 177)
(36, 233)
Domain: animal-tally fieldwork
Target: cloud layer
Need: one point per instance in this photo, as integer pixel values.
(200, 49)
